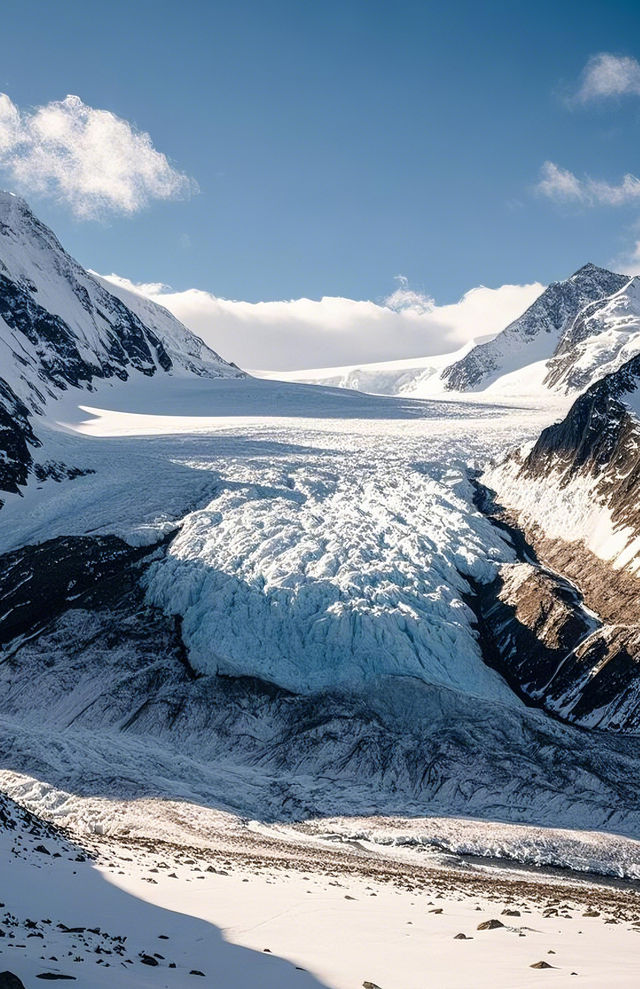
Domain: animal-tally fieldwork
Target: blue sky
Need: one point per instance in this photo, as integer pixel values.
(336, 145)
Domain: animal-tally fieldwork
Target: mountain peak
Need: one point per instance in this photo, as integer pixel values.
(590, 269)
(63, 328)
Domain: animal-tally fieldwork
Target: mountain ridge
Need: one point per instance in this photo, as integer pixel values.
(535, 335)
(61, 327)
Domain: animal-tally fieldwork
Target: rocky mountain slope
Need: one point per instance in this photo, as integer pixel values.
(536, 334)
(576, 495)
(61, 328)
(603, 337)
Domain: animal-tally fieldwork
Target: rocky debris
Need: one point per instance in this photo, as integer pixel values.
(541, 964)
(490, 925)
(462, 937)
(55, 977)
(55, 470)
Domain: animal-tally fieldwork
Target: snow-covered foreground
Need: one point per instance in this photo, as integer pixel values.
(169, 895)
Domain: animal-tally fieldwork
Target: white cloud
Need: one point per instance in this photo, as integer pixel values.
(559, 183)
(405, 298)
(562, 185)
(629, 263)
(606, 75)
(304, 333)
(91, 159)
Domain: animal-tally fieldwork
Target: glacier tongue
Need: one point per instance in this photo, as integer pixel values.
(329, 568)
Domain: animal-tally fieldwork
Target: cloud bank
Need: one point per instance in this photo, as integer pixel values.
(305, 333)
(94, 161)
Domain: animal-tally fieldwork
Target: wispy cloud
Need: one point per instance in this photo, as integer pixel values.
(564, 186)
(606, 75)
(629, 262)
(405, 298)
(90, 159)
(328, 332)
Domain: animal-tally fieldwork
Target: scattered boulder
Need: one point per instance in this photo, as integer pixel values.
(462, 937)
(541, 965)
(148, 960)
(55, 977)
(490, 925)
(10, 981)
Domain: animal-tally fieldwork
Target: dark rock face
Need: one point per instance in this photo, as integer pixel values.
(38, 583)
(16, 439)
(10, 981)
(584, 669)
(61, 363)
(550, 315)
(554, 654)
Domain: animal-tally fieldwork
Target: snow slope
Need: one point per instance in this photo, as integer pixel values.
(61, 328)
(410, 377)
(64, 918)
(534, 336)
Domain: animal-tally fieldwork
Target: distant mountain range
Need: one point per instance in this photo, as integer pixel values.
(576, 331)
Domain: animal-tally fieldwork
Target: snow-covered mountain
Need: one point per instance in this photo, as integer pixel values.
(413, 376)
(535, 335)
(61, 328)
(575, 332)
(603, 337)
